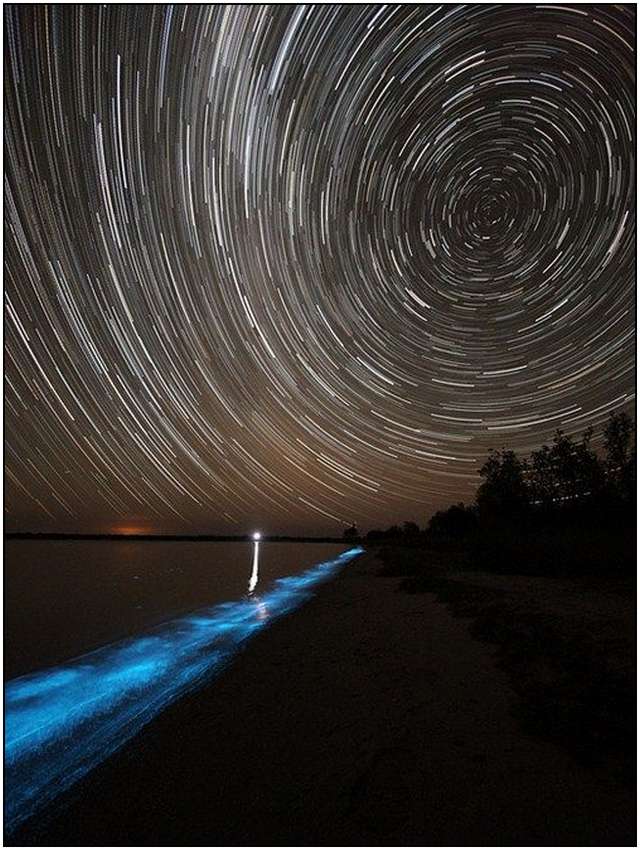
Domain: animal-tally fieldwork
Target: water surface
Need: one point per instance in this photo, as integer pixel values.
(63, 720)
(66, 597)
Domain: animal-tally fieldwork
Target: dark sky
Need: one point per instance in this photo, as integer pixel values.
(289, 267)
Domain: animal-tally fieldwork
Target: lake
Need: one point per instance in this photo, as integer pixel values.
(101, 636)
(66, 597)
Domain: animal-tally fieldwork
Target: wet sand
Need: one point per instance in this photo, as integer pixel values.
(368, 717)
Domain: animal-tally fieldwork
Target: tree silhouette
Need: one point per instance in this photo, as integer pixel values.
(576, 468)
(543, 485)
(410, 529)
(503, 493)
(621, 456)
(456, 522)
(561, 486)
(617, 440)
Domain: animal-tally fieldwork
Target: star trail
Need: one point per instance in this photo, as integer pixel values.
(291, 267)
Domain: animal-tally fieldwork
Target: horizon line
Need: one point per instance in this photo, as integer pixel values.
(146, 535)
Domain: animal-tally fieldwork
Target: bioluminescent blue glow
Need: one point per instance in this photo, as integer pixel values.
(61, 722)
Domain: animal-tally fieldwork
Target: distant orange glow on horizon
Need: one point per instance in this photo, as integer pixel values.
(131, 529)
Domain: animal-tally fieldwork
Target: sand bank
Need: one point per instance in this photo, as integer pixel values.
(369, 716)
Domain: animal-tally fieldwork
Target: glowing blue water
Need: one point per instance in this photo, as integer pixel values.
(61, 722)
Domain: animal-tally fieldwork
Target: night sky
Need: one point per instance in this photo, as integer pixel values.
(293, 267)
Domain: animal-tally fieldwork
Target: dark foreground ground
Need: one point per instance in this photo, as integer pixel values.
(566, 643)
(377, 716)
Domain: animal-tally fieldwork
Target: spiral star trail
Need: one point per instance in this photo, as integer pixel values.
(303, 265)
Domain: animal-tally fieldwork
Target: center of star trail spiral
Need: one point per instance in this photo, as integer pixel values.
(303, 265)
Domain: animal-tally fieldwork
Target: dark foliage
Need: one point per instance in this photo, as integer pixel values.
(456, 523)
(409, 534)
(544, 513)
(561, 487)
(503, 493)
(562, 511)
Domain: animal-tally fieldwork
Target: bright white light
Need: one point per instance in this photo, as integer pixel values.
(256, 535)
(253, 581)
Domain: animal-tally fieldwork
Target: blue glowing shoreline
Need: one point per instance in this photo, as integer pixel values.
(62, 722)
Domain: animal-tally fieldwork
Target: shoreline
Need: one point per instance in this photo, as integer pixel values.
(367, 717)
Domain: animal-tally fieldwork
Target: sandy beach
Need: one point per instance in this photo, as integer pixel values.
(370, 716)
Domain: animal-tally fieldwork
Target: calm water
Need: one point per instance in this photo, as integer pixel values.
(118, 631)
(63, 598)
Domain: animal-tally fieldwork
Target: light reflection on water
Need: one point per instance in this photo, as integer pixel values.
(64, 598)
(63, 721)
(253, 580)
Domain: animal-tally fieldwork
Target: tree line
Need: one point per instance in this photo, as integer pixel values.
(559, 484)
